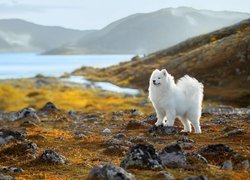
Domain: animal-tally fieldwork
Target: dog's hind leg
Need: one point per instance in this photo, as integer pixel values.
(186, 124)
(194, 118)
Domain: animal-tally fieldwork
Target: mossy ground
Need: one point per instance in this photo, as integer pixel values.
(57, 132)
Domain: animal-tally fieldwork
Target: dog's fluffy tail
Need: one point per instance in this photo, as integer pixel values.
(191, 87)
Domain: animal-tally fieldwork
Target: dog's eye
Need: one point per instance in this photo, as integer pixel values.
(159, 78)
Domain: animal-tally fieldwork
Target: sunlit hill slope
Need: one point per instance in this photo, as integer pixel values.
(220, 59)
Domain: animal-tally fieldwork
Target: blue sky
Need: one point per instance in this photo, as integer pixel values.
(95, 14)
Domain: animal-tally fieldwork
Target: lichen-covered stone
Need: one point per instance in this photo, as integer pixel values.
(173, 156)
(109, 172)
(50, 156)
(142, 156)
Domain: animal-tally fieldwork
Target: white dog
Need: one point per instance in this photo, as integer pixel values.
(170, 100)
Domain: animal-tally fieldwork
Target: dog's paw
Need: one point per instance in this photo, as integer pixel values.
(158, 124)
(184, 131)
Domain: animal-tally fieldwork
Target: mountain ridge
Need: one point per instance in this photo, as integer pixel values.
(144, 33)
(20, 35)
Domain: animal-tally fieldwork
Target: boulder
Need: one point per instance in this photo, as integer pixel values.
(7, 135)
(173, 156)
(27, 112)
(49, 106)
(216, 152)
(164, 130)
(109, 172)
(50, 156)
(142, 156)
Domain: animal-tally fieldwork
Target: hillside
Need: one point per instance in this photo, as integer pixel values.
(149, 32)
(219, 59)
(19, 35)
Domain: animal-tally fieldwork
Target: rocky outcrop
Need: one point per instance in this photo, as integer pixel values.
(7, 136)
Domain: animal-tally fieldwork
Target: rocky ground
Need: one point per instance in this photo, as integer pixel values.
(49, 143)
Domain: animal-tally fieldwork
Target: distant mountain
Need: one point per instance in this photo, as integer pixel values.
(148, 32)
(220, 59)
(20, 35)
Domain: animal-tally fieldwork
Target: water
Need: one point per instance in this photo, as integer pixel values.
(103, 85)
(25, 65)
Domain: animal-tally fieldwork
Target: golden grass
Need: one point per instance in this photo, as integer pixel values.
(14, 98)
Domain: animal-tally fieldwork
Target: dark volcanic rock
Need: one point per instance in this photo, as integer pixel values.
(164, 130)
(185, 140)
(49, 106)
(5, 177)
(216, 150)
(109, 172)
(173, 156)
(11, 170)
(50, 156)
(135, 124)
(142, 156)
(8, 135)
(196, 178)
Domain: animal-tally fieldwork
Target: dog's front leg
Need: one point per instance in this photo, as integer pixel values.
(170, 118)
(160, 117)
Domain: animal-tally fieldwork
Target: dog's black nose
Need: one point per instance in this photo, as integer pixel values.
(153, 81)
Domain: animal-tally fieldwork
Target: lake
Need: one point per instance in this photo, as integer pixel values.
(24, 65)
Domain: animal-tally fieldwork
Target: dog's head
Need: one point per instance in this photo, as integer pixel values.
(158, 77)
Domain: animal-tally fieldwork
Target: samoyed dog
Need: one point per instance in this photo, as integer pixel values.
(182, 100)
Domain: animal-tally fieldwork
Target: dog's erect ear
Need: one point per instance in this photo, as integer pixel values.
(164, 71)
